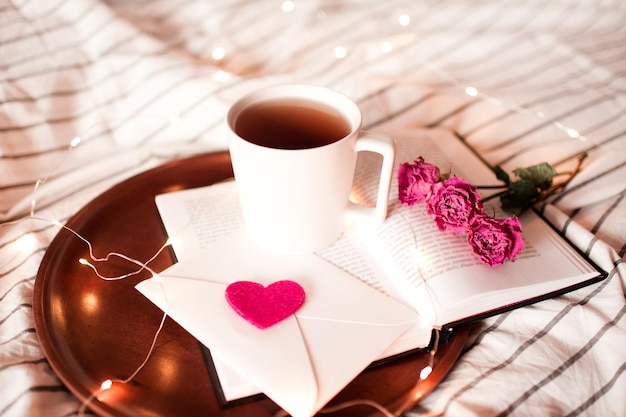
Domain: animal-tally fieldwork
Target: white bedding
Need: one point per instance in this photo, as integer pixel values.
(142, 82)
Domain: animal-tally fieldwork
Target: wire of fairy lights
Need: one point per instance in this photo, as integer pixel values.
(91, 263)
(143, 266)
(340, 53)
(93, 260)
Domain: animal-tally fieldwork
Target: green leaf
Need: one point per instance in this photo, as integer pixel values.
(540, 175)
(524, 189)
(514, 206)
(520, 195)
(512, 203)
(501, 174)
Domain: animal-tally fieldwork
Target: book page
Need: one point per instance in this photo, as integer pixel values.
(436, 272)
(195, 218)
(406, 257)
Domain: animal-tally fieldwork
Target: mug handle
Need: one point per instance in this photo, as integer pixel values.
(385, 146)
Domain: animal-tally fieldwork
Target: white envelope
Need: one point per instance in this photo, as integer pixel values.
(302, 362)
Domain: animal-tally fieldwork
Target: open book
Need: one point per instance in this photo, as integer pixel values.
(406, 257)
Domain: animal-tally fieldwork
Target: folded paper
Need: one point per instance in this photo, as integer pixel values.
(310, 355)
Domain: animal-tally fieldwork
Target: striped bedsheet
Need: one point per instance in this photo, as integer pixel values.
(93, 92)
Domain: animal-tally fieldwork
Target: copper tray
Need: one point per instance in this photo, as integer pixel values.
(92, 330)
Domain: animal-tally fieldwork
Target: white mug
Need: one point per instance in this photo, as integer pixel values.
(294, 150)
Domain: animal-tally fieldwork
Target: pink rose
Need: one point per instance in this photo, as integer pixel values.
(454, 204)
(415, 181)
(496, 240)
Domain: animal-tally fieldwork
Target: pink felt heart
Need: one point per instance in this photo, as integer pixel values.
(265, 306)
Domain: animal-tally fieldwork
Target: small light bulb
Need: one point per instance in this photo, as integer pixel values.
(83, 261)
(218, 53)
(425, 372)
(74, 143)
(573, 133)
(404, 19)
(340, 52)
(26, 243)
(221, 76)
(386, 46)
(287, 6)
(471, 91)
(107, 384)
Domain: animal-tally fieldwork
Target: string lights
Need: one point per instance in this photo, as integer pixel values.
(404, 19)
(107, 384)
(27, 242)
(287, 6)
(474, 92)
(73, 143)
(340, 52)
